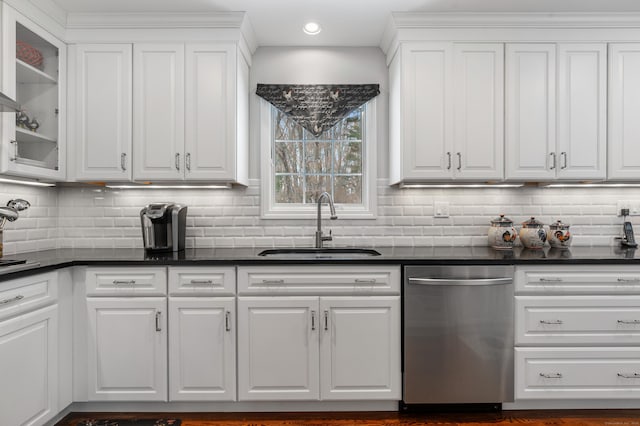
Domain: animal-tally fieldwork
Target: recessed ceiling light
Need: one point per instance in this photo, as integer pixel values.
(312, 28)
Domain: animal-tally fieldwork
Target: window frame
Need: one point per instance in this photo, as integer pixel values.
(271, 210)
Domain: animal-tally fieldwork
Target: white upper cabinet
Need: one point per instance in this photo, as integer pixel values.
(190, 112)
(624, 110)
(101, 110)
(158, 111)
(556, 111)
(34, 74)
(446, 112)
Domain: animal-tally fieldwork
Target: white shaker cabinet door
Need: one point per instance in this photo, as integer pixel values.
(29, 368)
(102, 107)
(478, 136)
(158, 111)
(210, 111)
(202, 356)
(427, 110)
(360, 348)
(127, 348)
(278, 348)
(530, 112)
(624, 110)
(582, 110)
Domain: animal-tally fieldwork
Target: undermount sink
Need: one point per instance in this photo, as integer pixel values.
(319, 252)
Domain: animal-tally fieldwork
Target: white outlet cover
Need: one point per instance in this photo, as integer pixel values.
(440, 209)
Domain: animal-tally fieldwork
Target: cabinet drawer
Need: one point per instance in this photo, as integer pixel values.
(202, 281)
(567, 320)
(593, 279)
(25, 294)
(577, 373)
(141, 281)
(318, 280)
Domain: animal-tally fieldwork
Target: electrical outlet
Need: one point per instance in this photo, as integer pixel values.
(632, 205)
(440, 209)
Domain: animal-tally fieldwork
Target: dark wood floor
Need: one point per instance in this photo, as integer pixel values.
(529, 418)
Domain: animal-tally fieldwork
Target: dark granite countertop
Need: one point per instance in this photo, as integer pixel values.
(52, 259)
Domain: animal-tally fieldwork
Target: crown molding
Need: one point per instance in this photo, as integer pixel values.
(45, 12)
(156, 20)
(406, 20)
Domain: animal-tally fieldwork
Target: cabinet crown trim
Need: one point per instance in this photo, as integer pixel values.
(171, 20)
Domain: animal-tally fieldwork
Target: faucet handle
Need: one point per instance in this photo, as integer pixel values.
(328, 237)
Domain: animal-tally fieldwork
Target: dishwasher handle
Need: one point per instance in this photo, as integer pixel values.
(461, 281)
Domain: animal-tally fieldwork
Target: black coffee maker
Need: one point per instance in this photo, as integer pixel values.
(163, 227)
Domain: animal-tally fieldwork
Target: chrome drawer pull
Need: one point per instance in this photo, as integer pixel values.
(553, 322)
(201, 281)
(116, 282)
(158, 325)
(272, 281)
(629, 376)
(550, 280)
(313, 320)
(13, 299)
(326, 320)
(361, 281)
(551, 375)
(628, 280)
(227, 321)
(628, 321)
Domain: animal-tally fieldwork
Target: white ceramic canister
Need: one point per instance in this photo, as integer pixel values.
(533, 234)
(502, 234)
(559, 235)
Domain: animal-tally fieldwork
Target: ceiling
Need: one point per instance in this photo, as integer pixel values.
(344, 22)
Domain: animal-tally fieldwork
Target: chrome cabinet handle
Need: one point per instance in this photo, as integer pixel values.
(313, 320)
(15, 150)
(118, 282)
(553, 162)
(628, 280)
(158, 324)
(629, 376)
(550, 280)
(553, 322)
(326, 320)
(563, 156)
(177, 161)
(13, 299)
(272, 281)
(459, 160)
(363, 281)
(551, 375)
(444, 281)
(227, 321)
(448, 161)
(188, 161)
(628, 321)
(201, 281)
(123, 161)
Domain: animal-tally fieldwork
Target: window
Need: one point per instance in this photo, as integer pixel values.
(301, 166)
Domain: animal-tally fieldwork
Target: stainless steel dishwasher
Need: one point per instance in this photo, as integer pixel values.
(458, 334)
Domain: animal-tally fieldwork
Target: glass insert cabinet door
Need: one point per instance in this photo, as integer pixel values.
(33, 75)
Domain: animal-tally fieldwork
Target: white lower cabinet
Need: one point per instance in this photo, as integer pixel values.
(577, 332)
(202, 349)
(329, 346)
(29, 367)
(127, 351)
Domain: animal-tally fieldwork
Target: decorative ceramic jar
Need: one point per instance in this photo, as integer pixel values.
(559, 235)
(502, 234)
(533, 234)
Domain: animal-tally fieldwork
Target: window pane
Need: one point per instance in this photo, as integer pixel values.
(350, 127)
(288, 189)
(285, 128)
(288, 157)
(317, 157)
(348, 157)
(348, 190)
(316, 185)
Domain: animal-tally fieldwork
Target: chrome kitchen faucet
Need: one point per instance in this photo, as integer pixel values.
(319, 237)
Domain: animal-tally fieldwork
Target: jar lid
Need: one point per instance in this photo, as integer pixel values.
(502, 221)
(532, 223)
(558, 225)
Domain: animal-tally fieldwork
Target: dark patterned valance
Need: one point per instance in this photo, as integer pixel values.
(317, 107)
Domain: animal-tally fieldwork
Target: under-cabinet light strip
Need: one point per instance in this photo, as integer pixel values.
(168, 186)
(592, 185)
(26, 182)
(459, 185)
